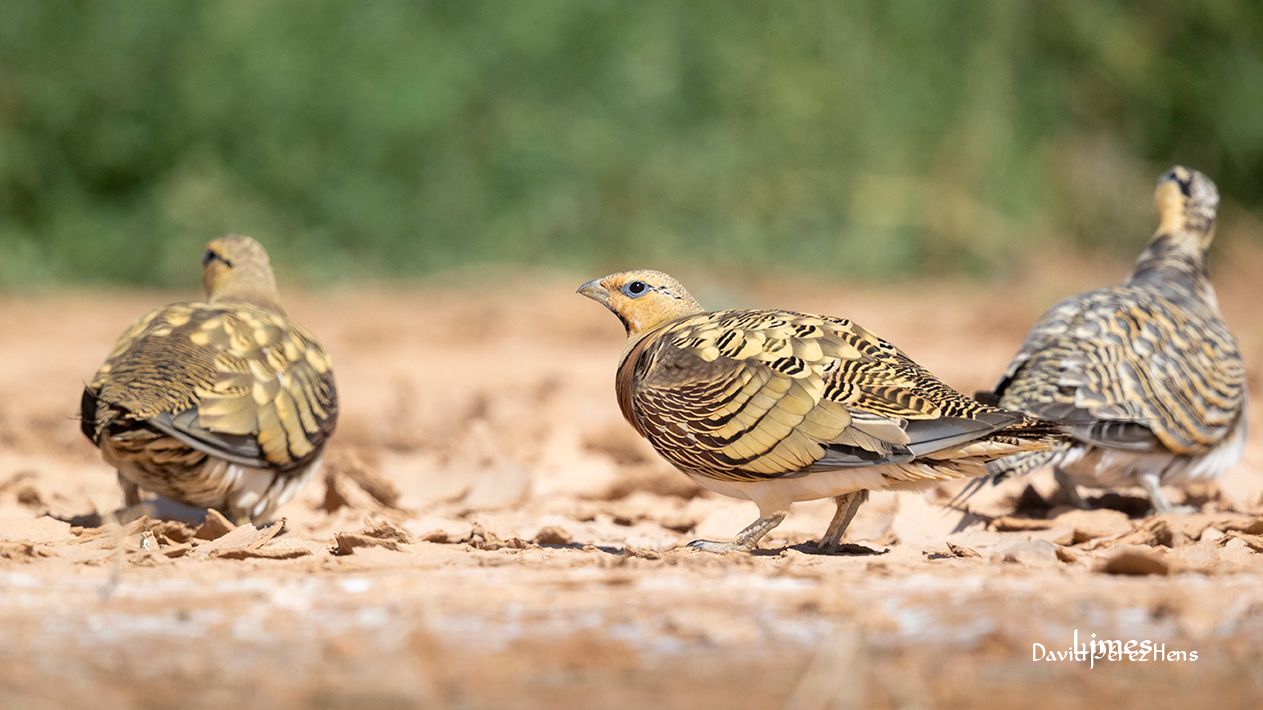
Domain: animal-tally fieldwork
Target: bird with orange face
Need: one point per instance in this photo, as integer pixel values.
(224, 403)
(778, 407)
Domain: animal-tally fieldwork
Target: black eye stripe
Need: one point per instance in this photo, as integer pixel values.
(212, 255)
(1181, 180)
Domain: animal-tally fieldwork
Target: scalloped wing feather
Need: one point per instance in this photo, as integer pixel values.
(231, 380)
(745, 395)
(1129, 368)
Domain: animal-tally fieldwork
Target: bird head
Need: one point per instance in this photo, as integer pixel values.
(642, 300)
(1186, 202)
(237, 268)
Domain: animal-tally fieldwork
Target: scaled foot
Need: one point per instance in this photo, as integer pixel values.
(722, 548)
(747, 540)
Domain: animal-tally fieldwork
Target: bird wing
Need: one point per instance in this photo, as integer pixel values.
(760, 394)
(235, 381)
(1127, 368)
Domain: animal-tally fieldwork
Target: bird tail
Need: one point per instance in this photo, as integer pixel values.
(1043, 443)
(87, 414)
(1022, 463)
(95, 416)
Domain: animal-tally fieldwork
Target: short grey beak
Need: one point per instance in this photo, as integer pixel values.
(595, 291)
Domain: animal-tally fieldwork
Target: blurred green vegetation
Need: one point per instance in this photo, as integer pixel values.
(393, 139)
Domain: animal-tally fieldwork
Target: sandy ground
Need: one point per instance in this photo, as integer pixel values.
(491, 534)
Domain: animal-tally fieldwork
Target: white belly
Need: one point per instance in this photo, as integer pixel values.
(777, 494)
(1097, 467)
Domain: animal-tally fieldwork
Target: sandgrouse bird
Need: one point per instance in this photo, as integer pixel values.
(1145, 374)
(223, 403)
(778, 407)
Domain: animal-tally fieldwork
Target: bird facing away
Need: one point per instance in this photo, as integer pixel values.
(778, 407)
(1145, 374)
(224, 403)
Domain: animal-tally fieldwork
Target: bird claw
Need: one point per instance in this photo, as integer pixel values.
(715, 547)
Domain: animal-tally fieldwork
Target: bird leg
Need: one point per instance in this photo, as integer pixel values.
(131, 492)
(133, 508)
(1072, 490)
(236, 516)
(747, 540)
(1161, 505)
(848, 505)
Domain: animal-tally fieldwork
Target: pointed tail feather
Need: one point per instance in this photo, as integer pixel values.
(1024, 462)
(1017, 464)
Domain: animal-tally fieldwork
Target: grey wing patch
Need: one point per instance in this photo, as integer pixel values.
(838, 456)
(1118, 435)
(235, 448)
(930, 435)
(1090, 427)
(925, 436)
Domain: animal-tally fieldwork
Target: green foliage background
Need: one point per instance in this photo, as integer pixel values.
(395, 139)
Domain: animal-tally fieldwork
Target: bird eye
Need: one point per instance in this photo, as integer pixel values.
(635, 289)
(1182, 180)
